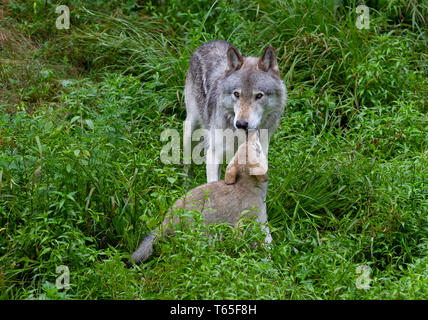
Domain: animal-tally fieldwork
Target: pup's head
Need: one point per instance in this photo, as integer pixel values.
(248, 160)
(253, 88)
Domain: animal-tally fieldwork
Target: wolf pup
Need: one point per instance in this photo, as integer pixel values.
(225, 90)
(242, 193)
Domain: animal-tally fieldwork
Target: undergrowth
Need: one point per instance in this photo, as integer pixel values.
(81, 181)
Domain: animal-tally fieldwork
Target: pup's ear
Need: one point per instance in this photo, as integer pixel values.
(234, 59)
(231, 174)
(262, 178)
(260, 172)
(268, 62)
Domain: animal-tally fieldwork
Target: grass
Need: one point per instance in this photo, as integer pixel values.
(82, 110)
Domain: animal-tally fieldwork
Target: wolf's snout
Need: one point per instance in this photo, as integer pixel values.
(241, 124)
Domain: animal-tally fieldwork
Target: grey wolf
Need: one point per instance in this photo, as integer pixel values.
(225, 90)
(241, 194)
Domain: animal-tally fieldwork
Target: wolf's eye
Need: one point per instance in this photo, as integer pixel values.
(236, 94)
(259, 96)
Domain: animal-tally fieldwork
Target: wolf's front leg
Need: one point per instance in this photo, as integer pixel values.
(213, 171)
(189, 125)
(262, 218)
(265, 228)
(214, 159)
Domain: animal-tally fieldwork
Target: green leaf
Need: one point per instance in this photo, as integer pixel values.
(171, 180)
(90, 124)
(75, 119)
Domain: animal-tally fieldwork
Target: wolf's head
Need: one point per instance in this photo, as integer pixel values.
(253, 88)
(249, 160)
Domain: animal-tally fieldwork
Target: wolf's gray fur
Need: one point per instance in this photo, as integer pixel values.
(225, 90)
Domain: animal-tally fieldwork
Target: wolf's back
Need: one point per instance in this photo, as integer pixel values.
(207, 68)
(207, 63)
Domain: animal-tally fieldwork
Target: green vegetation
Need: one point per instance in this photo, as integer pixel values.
(82, 110)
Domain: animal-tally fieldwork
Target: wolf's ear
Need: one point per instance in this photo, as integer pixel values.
(234, 59)
(268, 62)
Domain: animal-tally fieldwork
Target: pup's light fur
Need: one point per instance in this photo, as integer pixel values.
(241, 193)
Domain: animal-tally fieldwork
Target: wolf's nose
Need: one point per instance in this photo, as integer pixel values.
(242, 124)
